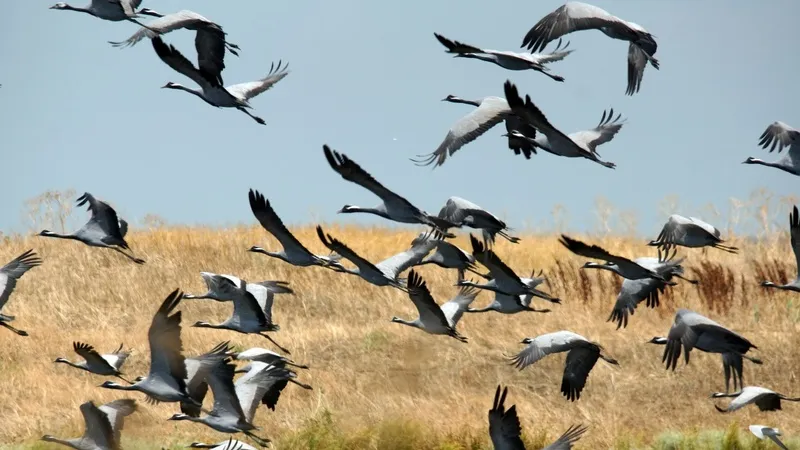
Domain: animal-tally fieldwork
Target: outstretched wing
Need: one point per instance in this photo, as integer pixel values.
(604, 132)
(253, 88)
(13, 270)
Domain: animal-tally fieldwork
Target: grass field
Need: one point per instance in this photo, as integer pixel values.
(379, 385)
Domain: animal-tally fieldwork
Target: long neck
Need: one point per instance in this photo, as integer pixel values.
(486, 309)
(464, 101)
(764, 163)
(122, 387)
(70, 363)
(614, 269)
(412, 323)
(87, 10)
(67, 442)
(196, 92)
(378, 211)
(60, 236)
(216, 326)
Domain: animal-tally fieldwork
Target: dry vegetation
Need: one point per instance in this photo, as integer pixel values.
(379, 385)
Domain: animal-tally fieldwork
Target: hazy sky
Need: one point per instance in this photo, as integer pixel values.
(367, 78)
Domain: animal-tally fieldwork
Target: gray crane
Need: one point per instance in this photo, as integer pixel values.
(248, 317)
(435, 319)
(765, 399)
(508, 60)
(622, 266)
(94, 362)
(488, 112)
(266, 356)
(448, 256)
(780, 135)
(761, 432)
(503, 279)
(293, 251)
(209, 38)
(211, 89)
(392, 207)
(111, 10)
(689, 232)
(582, 354)
(463, 212)
(103, 426)
(505, 431)
(691, 330)
(234, 406)
(166, 381)
(794, 231)
(104, 228)
(386, 272)
(634, 292)
(582, 144)
(512, 304)
(577, 16)
(606, 129)
(274, 385)
(9, 275)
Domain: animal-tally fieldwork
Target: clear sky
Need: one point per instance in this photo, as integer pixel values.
(367, 78)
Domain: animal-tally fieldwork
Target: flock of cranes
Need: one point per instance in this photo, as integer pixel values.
(176, 378)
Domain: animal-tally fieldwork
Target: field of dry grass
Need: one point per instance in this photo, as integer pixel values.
(380, 385)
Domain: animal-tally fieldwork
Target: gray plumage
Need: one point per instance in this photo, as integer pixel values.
(448, 256)
(103, 426)
(780, 135)
(582, 354)
(502, 279)
(207, 77)
(111, 10)
(234, 406)
(386, 272)
(689, 232)
(620, 265)
(197, 370)
(577, 16)
(580, 144)
(293, 251)
(104, 228)
(765, 399)
(505, 430)
(761, 431)
(488, 112)
(274, 384)
(435, 319)
(209, 40)
(247, 317)
(94, 362)
(266, 356)
(505, 59)
(9, 275)
(166, 380)
(691, 330)
(794, 239)
(230, 444)
(634, 292)
(512, 304)
(392, 206)
(463, 212)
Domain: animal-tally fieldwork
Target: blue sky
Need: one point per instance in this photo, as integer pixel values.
(367, 78)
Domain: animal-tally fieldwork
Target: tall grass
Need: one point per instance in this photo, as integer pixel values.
(378, 385)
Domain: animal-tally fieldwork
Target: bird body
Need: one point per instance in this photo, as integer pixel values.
(209, 38)
(582, 354)
(294, 252)
(780, 135)
(794, 239)
(761, 431)
(463, 212)
(622, 266)
(689, 232)
(691, 330)
(488, 112)
(94, 362)
(104, 228)
(103, 426)
(765, 399)
(274, 384)
(166, 380)
(9, 274)
(434, 319)
(111, 10)
(581, 144)
(577, 16)
(505, 59)
(209, 79)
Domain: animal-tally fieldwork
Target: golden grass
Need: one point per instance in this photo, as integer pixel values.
(368, 372)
